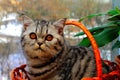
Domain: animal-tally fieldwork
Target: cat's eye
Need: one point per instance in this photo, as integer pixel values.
(49, 37)
(33, 35)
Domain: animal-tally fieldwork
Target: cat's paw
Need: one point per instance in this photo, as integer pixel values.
(19, 73)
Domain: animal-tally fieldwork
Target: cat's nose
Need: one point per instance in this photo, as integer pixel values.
(39, 43)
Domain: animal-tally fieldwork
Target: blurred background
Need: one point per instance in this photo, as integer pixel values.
(11, 54)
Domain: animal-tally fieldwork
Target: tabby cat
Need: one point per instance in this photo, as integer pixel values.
(50, 57)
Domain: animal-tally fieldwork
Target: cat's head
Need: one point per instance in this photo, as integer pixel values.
(42, 39)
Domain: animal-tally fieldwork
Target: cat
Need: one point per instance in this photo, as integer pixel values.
(50, 57)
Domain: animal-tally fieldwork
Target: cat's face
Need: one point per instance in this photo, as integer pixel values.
(42, 39)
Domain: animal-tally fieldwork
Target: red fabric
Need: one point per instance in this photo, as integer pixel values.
(112, 65)
(19, 73)
(113, 75)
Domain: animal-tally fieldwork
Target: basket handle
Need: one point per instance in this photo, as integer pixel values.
(93, 43)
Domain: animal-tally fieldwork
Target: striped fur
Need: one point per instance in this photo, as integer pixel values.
(54, 59)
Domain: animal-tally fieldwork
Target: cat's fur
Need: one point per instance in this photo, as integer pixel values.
(54, 59)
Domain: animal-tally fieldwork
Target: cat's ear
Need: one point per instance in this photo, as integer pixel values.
(26, 21)
(59, 25)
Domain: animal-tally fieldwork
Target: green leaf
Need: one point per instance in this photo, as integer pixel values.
(114, 17)
(105, 33)
(116, 45)
(99, 29)
(118, 23)
(90, 16)
(110, 13)
(85, 42)
(106, 36)
(113, 12)
(102, 38)
(95, 30)
(119, 32)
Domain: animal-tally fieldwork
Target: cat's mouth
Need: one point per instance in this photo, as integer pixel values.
(39, 48)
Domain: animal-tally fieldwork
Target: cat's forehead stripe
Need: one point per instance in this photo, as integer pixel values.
(37, 23)
(42, 26)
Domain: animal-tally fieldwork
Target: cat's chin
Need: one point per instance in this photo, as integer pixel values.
(44, 55)
(42, 59)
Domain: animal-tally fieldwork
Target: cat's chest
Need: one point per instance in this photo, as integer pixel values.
(73, 65)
